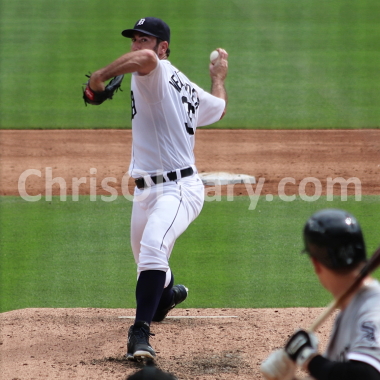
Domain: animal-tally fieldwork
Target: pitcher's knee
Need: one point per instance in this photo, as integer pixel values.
(151, 258)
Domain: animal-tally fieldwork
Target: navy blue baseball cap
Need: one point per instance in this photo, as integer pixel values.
(152, 26)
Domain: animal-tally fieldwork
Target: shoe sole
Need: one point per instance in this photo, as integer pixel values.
(140, 355)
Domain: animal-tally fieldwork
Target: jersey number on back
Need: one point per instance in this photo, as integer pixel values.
(189, 98)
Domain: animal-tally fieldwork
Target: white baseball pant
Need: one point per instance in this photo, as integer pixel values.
(160, 214)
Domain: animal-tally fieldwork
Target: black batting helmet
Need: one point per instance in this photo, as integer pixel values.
(334, 238)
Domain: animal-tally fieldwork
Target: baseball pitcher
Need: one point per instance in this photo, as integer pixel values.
(166, 109)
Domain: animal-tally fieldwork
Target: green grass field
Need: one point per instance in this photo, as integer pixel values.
(77, 254)
(293, 63)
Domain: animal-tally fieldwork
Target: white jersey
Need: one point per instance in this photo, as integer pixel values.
(356, 333)
(166, 110)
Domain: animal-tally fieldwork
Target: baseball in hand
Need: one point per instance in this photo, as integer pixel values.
(214, 56)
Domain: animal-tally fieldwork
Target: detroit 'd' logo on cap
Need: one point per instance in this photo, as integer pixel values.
(141, 22)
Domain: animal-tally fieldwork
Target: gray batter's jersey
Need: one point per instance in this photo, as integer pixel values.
(356, 332)
(166, 110)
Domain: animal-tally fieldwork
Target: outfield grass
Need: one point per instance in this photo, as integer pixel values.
(293, 63)
(77, 254)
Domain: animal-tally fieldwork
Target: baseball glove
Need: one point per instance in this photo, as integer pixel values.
(95, 97)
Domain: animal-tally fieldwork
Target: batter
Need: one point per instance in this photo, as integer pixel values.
(166, 109)
(335, 244)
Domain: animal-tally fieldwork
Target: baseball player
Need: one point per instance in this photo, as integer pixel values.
(335, 244)
(166, 110)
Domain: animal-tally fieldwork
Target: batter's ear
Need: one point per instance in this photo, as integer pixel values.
(316, 265)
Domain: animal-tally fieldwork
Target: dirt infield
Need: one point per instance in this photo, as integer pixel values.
(269, 155)
(200, 344)
(90, 343)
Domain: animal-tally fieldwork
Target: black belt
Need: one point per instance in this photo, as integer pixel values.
(141, 184)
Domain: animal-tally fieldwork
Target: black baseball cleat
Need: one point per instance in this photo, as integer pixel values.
(179, 295)
(138, 347)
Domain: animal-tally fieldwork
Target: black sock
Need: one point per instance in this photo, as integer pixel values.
(149, 289)
(167, 295)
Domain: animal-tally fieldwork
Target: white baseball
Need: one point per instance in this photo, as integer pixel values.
(214, 56)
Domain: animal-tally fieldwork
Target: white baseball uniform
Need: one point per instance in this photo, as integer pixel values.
(166, 110)
(356, 332)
